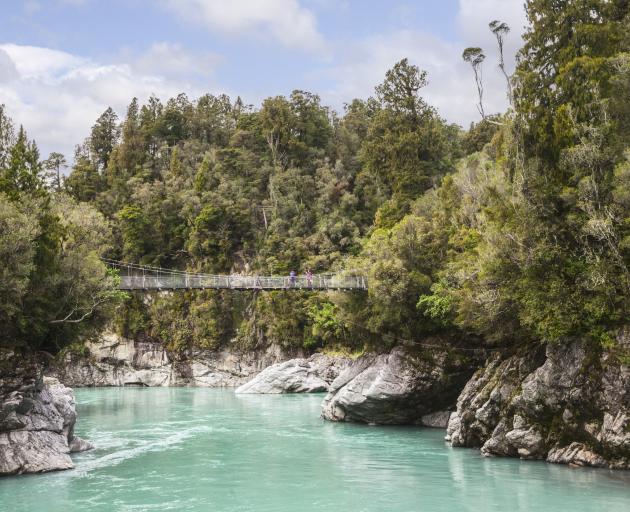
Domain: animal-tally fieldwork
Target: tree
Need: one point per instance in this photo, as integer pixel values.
(54, 163)
(17, 250)
(22, 172)
(475, 57)
(500, 30)
(406, 149)
(103, 137)
(399, 92)
(136, 233)
(84, 182)
(7, 137)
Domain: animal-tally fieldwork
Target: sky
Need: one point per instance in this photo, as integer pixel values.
(63, 62)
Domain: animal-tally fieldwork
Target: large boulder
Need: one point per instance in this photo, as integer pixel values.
(37, 420)
(401, 387)
(312, 375)
(567, 404)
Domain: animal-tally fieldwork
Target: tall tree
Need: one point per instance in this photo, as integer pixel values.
(475, 57)
(500, 29)
(7, 137)
(103, 137)
(54, 163)
(23, 170)
(406, 148)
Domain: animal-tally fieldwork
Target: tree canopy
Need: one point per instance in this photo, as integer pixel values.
(514, 231)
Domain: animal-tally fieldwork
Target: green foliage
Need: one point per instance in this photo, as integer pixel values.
(135, 226)
(53, 287)
(326, 327)
(515, 231)
(407, 146)
(22, 170)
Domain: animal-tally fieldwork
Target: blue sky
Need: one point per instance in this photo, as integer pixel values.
(62, 62)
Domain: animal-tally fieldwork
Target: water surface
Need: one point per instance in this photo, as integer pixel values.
(194, 449)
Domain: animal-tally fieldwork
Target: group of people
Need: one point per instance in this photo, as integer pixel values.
(293, 278)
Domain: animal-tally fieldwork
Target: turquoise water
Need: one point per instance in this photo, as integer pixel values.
(187, 449)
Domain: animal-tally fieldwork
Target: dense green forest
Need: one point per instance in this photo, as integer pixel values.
(514, 231)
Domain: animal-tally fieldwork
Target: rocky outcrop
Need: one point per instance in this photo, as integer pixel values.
(402, 387)
(569, 404)
(36, 422)
(116, 361)
(312, 375)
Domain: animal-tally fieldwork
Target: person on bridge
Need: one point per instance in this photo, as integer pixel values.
(309, 278)
(292, 278)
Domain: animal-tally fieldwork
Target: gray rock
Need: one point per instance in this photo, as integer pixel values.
(576, 454)
(26, 451)
(498, 443)
(528, 442)
(437, 419)
(396, 388)
(116, 361)
(312, 375)
(77, 445)
(529, 406)
(36, 428)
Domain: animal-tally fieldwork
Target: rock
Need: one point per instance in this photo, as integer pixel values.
(37, 426)
(528, 442)
(116, 361)
(396, 388)
(482, 400)
(312, 375)
(576, 454)
(437, 419)
(569, 405)
(77, 444)
(26, 451)
(453, 427)
(498, 443)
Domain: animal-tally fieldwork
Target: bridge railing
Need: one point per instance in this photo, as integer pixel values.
(239, 282)
(144, 277)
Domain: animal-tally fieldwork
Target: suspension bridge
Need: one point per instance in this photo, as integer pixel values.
(145, 277)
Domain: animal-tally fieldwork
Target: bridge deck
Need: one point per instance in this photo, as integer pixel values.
(240, 282)
(143, 277)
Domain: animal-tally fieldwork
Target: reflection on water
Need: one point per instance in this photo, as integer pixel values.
(198, 449)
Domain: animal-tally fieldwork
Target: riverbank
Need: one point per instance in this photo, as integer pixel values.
(567, 404)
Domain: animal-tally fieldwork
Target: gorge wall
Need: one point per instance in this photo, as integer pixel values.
(569, 404)
(113, 360)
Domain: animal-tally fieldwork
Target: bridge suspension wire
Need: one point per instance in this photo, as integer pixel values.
(146, 277)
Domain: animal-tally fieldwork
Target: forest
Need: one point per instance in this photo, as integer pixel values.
(512, 232)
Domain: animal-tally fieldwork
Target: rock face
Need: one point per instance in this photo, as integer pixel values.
(36, 425)
(312, 375)
(570, 404)
(398, 388)
(116, 361)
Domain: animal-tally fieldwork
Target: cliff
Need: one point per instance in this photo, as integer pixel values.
(37, 418)
(570, 404)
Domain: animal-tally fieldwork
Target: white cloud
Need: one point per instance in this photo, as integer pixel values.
(173, 60)
(362, 65)
(57, 96)
(286, 21)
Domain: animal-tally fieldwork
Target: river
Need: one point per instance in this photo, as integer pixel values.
(195, 449)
